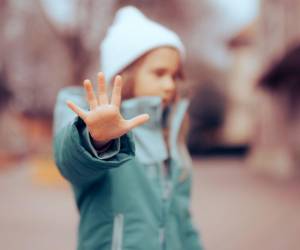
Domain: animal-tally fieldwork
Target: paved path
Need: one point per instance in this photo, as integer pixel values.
(235, 210)
(238, 211)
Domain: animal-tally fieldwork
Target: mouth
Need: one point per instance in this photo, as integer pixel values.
(166, 101)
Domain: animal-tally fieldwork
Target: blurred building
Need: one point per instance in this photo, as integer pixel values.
(276, 142)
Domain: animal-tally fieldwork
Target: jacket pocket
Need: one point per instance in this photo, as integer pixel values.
(118, 228)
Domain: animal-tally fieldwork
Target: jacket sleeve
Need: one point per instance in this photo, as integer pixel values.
(77, 159)
(191, 236)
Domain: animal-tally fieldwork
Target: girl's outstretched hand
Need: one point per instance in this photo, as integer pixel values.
(104, 120)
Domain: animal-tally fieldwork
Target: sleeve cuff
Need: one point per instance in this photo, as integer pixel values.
(110, 151)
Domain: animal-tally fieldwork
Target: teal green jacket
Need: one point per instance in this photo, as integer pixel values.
(135, 195)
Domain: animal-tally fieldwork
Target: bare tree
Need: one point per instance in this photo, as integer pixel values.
(82, 39)
(41, 55)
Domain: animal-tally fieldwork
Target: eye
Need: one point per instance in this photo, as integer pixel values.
(159, 72)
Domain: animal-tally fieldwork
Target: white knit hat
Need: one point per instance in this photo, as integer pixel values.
(130, 36)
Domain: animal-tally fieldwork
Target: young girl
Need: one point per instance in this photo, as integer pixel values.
(131, 178)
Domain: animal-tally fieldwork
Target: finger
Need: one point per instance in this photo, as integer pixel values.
(79, 111)
(117, 91)
(90, 94)
(137, 121)
(103, 98)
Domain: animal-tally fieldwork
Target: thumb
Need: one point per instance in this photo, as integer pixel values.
(137, 121)
(79, 111)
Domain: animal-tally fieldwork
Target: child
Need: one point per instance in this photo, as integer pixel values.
(131, 178)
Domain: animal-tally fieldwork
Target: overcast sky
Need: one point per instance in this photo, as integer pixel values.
(238, 11)
(232, 16)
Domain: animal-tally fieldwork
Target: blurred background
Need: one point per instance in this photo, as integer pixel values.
(245, 115)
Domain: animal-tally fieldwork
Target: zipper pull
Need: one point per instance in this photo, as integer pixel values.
(162, 236)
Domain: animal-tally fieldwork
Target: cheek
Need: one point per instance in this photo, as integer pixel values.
(149, 89)
(147, 86)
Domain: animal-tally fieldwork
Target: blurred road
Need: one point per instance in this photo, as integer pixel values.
(234, 210)
(239, 211)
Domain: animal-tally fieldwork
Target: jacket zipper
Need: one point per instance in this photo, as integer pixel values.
(118, 227)
(166, 188)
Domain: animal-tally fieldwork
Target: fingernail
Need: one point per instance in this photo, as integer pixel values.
(100, 74)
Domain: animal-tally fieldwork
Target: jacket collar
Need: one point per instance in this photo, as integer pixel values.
(150, 105)
(149, 137)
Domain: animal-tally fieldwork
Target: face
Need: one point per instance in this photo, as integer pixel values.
(158, 75)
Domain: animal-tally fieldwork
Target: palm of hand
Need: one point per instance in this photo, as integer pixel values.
(104, 120)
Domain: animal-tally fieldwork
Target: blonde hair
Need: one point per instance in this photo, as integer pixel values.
(128, 76)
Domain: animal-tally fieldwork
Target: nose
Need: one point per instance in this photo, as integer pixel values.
(169, 84)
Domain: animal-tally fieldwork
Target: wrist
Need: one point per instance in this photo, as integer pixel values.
(99, 145)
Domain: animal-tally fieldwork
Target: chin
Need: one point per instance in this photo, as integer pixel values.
(167, 102)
